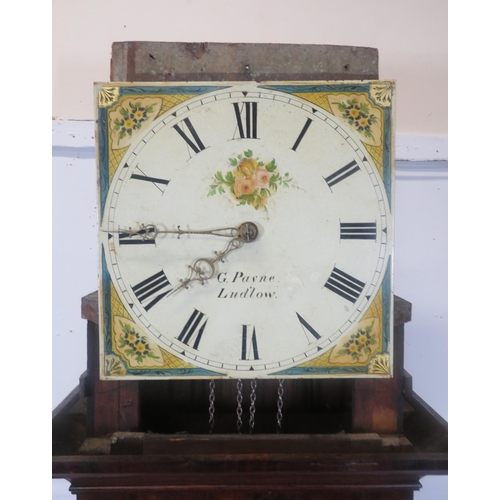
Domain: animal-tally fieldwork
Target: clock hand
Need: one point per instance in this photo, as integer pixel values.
(204, 269)
(246, 232)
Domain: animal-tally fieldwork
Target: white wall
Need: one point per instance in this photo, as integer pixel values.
(412, 38)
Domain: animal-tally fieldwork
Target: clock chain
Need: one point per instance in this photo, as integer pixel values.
(253, 397)
(239, 408)
(279, 416)
(211, 408)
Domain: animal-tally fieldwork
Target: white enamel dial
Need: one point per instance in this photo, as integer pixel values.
(323, 220)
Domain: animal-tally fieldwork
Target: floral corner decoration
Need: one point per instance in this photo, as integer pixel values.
(358, 116)
(135, 345)
(132, 117)
(250, 181)
(359, 343)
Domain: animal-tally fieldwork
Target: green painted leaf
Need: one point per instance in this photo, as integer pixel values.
(271, 166)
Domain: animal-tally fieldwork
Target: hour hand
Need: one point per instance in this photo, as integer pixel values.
(245, 232)
(204, 269)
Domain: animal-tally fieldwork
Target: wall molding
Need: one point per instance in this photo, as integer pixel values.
(421, 147)
(76, 139)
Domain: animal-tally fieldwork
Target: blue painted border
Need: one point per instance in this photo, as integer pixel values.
(386, 306)
(167, 90)
(106, 304)
(292, 89)
(102, 153)
(173, 372)
(388, 160)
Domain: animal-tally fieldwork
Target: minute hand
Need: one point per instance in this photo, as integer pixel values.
(246, 232)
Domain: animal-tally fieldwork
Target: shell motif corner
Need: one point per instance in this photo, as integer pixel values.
(108, 96)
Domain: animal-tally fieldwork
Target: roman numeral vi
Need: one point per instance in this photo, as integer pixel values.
(249, 344)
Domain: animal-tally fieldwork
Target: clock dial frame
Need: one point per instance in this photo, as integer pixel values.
(310, 164)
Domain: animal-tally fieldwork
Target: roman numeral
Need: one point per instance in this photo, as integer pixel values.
(194, 142)
(342, 173)
(358, 230)
(249, 344)
(302, 134)
(344, 285)
(140, 237)
(156, 181)
(308, 328)
(192, 331)
(246, 118)
(147, 291)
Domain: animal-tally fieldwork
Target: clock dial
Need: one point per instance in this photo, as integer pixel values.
(305, 265)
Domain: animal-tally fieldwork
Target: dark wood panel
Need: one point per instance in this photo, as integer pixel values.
(136, 61)
(112, 405)
(377, 404)
(384, 494)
